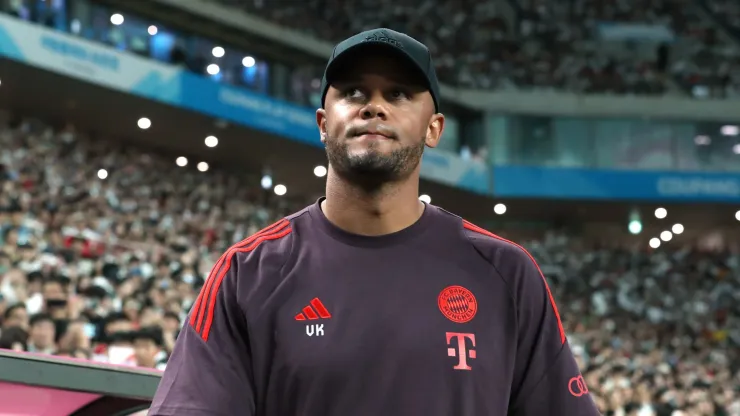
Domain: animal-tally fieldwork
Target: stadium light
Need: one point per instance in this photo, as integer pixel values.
(102, 173)
(499, 209)
(635, 222)
(730, 130)
(211, 141)
(213, 69)
(116, 19)
(248, 62)
(218, 52)
(737, 215)
(144, 123)
(666, 236)
(702, 140)
(677, 228)
(280, 190)
(736, 149)
(202, 166)
(152, 30)
(654, 242)
(425, 198)
(661, 213)
(181, 161)
(266, 182)
(319, 171)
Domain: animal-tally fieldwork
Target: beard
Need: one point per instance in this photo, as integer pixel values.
(372, 169)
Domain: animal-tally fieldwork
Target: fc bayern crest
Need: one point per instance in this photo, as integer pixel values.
(457, 304)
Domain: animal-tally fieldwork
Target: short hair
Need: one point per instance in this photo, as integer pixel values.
(12, 336)
(40, 317)
(173, 315)
(152, 333)
(54, 280)
(12, 308)
(116, 317)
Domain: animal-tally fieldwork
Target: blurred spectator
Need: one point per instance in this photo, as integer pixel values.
(14, 338)
(15, 316)
(42, 334)
(148, 348)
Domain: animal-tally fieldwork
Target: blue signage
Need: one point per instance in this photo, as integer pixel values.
(249, 108)
(592, 184)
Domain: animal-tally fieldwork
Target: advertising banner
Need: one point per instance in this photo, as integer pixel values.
(593, 184)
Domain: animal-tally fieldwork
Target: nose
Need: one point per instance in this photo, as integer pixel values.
(373, 109)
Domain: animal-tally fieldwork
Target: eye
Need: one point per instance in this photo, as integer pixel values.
(399, 94)
(353, 93)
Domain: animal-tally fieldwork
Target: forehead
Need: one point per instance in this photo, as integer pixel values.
(363, 64)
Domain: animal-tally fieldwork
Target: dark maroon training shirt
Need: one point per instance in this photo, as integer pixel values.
(439, 319)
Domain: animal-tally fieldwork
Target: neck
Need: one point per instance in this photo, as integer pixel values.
(386, 210)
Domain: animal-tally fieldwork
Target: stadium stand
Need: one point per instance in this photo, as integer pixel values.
(136, 245)
(537, 44)
(104, 245)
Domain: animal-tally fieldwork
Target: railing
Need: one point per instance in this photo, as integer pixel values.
(51, 386)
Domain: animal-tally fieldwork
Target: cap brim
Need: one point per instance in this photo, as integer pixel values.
(346, 56)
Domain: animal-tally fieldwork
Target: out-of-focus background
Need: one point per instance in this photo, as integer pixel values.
(140, 139)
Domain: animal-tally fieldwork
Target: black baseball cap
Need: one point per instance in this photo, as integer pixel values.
(402, 45)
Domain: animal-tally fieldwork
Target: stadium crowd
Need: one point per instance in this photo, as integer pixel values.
(727, 11)
(86, 264)
(105, 267)
(538, 44)
(509, 44)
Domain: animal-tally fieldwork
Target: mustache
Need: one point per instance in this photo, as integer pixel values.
(372, 128)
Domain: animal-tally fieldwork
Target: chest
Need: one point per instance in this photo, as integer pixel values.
(436, 318)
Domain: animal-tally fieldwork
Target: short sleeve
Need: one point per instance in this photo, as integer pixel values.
(547, 381)
(209, 372)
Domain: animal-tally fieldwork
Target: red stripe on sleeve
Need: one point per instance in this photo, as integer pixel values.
(278, 233)
(320, 308)
(479, 230)
(196, 316)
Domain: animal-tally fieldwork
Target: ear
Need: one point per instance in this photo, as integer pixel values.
(321, 123)
(434, 130)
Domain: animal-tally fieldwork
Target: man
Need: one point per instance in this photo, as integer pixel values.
(42, 334)
(370, 302)
(16, 315)
(148, 344)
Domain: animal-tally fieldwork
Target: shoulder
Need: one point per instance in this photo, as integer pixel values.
(493, 247)
(511, 261)
(272, 244)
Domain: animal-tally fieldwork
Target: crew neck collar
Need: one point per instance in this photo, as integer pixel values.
(398, 237)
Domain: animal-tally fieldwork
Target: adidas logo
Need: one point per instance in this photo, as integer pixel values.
(383, 36)
(315, 310)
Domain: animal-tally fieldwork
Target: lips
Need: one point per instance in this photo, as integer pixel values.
(373, 136)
